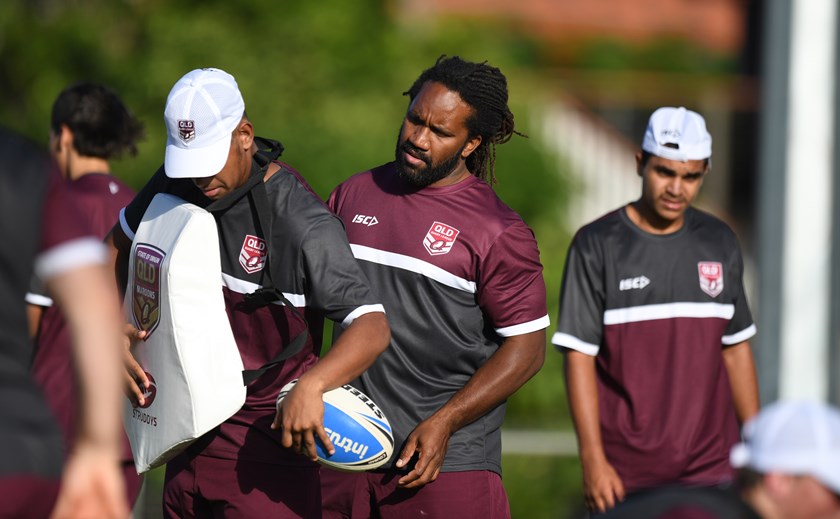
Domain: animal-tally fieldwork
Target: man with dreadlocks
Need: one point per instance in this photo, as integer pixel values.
(460, 277)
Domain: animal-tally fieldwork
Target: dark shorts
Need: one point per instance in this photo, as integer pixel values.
(464, 495)
(27, 496)
(205, 487)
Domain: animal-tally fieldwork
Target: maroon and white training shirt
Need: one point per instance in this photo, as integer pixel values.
(657, 310)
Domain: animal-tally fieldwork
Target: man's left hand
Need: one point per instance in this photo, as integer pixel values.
(429, 442)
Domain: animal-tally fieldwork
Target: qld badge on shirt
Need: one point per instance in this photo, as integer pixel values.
(440, 238)
(711, 277)
(253, 254)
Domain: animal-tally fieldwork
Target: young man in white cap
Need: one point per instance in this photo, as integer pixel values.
(654, 324)
(274, 233)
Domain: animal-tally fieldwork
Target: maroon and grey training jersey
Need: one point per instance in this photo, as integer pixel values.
(318, 273)
(40, 223)
(657, 310)
(99, 197)
(458, 271)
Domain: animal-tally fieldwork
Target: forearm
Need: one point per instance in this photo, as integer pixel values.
(582, 392)
(89, 301)
(119, 247)
(33, 319)
(740, 367)
(355, 350)
(517, 360)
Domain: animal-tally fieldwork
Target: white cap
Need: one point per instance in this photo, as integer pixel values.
(680, 127)
(202, 110)
(798, 438)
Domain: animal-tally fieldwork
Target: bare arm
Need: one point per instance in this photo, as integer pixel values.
(740, 367)
(33, 317)
(517, 360)
(119, 248)
(92, 482)
(302, 415)
(602, 486)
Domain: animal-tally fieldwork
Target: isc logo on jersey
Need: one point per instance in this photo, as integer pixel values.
(633, 283)
(440, 238)
(711, 277)
(253, 254)
(365, 220)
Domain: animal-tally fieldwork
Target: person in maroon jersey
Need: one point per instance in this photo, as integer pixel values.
(250, 465)
(42, 228)
(89, 126)
(460, 276)
(654, 325)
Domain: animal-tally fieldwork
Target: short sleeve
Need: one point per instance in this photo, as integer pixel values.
(582, 299)
(67, 241)
(37, 294)
(511, 289)
(741, 327)
(336, 283)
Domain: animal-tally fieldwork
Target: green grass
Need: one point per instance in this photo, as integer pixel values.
(543, 487)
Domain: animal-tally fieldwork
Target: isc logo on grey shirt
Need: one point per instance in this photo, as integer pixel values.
(631, 283)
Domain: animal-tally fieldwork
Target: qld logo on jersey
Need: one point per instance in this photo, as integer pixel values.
(253, 254)
(711, 277)
(145, 305)
(440, 238)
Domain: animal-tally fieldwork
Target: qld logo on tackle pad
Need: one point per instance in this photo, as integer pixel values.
(440, 238)
(146, 290)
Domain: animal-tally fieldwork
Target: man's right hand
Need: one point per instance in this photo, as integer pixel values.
(136, 381)
(602, 487)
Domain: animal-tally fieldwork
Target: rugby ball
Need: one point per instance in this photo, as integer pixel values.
(357, 428)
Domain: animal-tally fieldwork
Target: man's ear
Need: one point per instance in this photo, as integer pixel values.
(245, 134)
(65, 138)
(470, 147)
(639, 165)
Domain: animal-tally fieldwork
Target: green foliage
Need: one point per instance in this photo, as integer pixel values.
(325, 78)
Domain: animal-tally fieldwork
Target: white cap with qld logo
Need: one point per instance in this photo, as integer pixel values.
(677, 134)
(202, 110)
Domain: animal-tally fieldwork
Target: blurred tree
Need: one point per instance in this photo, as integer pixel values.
(323, 77)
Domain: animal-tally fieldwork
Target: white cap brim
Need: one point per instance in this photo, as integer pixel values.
(180, 162)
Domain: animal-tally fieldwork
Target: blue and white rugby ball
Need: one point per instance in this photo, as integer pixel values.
(357, 428)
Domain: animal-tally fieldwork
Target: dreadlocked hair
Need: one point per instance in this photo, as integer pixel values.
(484, 88)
